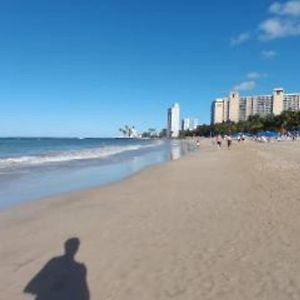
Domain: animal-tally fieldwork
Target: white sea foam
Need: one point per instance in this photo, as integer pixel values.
(60, 157)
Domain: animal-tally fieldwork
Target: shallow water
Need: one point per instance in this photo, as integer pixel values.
(36, 168)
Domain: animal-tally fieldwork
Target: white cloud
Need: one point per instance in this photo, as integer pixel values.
(245, 86)
(251, 81)
(269, 54)
(240, 39)
(290, 8)
(255, 75)
(284, 22)
(274, 28)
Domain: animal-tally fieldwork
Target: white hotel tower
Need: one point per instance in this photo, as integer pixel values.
(173, 121)
(238, 108)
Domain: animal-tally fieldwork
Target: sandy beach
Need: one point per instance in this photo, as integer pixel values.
(216, 224)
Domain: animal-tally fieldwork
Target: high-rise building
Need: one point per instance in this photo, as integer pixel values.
(278, 96)
(219, 112)
(173, 127)
(238, 108)
(189, 124)
(186, 124)
(195, 123)
(234, 102)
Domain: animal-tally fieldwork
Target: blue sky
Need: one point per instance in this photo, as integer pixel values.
(85, 68)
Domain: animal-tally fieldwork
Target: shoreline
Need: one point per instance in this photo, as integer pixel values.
(212, 225)
(86, 175)
(71, 194)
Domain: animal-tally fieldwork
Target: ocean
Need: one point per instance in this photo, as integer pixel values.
(33, 168)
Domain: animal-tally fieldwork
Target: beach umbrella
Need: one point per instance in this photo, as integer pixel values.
(269, 134)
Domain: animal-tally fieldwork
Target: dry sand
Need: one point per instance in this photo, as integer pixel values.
(213, 225)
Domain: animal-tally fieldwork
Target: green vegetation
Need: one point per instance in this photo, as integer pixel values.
(286, 121)
(150, 133)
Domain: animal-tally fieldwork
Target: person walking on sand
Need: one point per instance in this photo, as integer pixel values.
(219, 141)
(229, 141)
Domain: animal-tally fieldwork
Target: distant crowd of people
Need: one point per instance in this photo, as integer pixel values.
(288, 136)
(220, 140)
(227, 139)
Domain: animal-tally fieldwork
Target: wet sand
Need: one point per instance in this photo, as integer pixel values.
(216, 224)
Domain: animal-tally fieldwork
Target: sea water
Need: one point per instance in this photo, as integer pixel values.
(33, 168)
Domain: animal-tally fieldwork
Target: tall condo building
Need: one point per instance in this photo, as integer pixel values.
(195, 123)
(189, 124)
(238, 108)
(186, 124)
(173, 127)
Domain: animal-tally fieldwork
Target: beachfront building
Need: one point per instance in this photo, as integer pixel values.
(186, 124)
(238, 108)
(189, 124)
(195, 123)
(173, 127)
(219, 110)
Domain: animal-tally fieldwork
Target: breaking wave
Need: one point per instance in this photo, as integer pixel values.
(60, 157)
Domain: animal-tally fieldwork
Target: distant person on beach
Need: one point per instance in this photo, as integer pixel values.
(229, 141)
(62, 278)
(219, 141)
(198, 142)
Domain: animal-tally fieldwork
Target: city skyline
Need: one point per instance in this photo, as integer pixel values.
(85, 69)
(237, 107)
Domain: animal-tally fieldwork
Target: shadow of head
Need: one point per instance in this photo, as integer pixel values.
(72, 246)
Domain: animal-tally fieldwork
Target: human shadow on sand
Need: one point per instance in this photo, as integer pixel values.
(62, 278)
